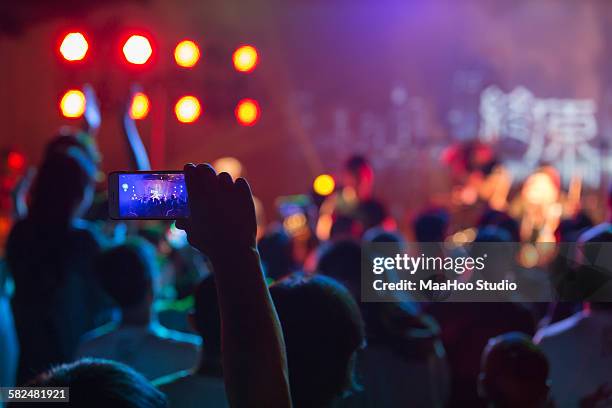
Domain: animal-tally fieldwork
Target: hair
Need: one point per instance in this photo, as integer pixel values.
(60, 186)
(98, 383)
(323, 329)
(372, 213)
(570, 229)
(275, 251)
(207, 319)
(431, 225)
(127, 271)
(379, 235)
(514, 372)
(68, 138)
(492, 233)
(341, 260)
(355, 163)
(502, 220)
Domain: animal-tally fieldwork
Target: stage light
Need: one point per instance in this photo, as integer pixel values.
(187, 109)
(15, 160)
(186, 54)
(137, 50)
(74, 47)
(140, 106)
(72, 104)
(230, 165)
(247, 112)
(324, 185)
(245, 58)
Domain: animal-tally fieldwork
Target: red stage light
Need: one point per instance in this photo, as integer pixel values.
(245, 58)
(137, 49)
(187, 109)
(140, 106)
(186, 54)
(15, 160)
(72, 104)
(247, 112)
(74, 46)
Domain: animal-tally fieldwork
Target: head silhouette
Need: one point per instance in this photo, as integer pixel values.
(127, 273)
(63, 188)
(205, 317)
(99, 383)
(514, 372)
(323, 330)
(431, 225)
(359, 175)
(341, 260)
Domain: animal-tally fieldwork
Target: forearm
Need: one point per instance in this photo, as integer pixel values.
(254, 362)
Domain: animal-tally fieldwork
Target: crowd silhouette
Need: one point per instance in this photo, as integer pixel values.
(126, 316)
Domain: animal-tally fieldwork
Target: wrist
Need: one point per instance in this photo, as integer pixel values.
(233, 256)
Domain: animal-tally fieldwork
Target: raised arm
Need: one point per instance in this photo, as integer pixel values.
(222, 225)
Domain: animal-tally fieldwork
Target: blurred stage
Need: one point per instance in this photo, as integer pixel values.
(397, 81)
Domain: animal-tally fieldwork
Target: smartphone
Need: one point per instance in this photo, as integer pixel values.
(147, 195)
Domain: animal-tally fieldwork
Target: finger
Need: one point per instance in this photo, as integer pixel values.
(208, 180)
(243, 195)
(194, 189)
(225, 182)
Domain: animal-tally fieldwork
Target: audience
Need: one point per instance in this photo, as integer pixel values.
(323, 331)
(9, 347)
(481, 321)
(128, 273)
(96, 383)
(403, 344)
(188, 388)
(51, 254)
(308, 340)
(513, 373)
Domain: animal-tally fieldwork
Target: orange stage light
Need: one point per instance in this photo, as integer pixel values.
(247, 112)
(72, 104)
(186, 54)
(74, 47)
(245, 58)
(188, 109)
(137, 49)
(140, 106)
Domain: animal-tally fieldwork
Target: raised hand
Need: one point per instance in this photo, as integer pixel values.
(222, 225)
(93, 118)
(137, 150)
(222, 218)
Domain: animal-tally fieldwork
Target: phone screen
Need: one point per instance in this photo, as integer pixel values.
(152, 196)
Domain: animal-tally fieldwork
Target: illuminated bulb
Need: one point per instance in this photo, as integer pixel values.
(247, 112)
(140, 106)
(74, 46)
(245, 58)
(187, 109)
(324, 185)
(72, 104)
(137, 50)
(186, 54)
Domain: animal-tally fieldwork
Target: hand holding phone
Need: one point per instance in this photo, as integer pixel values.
(147, 195)
(222, 221)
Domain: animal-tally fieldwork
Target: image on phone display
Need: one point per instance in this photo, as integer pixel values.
(152, 195)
